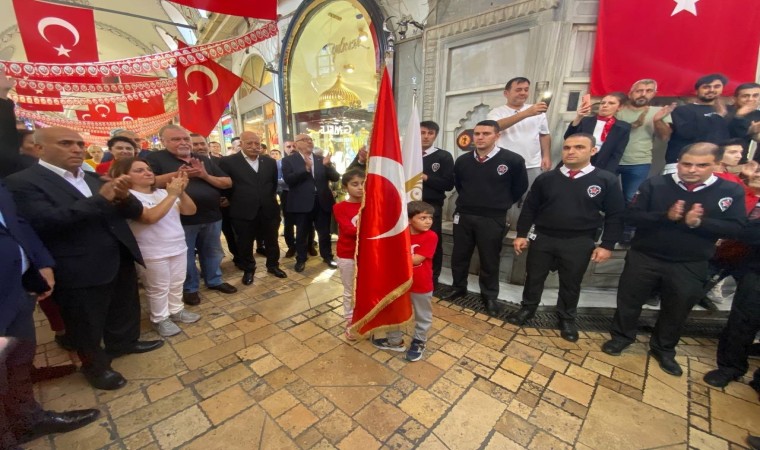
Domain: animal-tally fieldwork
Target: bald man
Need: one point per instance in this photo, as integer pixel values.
(81, 220)
(254, 211)
(310, 200)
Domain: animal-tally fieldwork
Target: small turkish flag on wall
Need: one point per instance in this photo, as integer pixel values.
(256, 9)
(674, 42)
(38, 99)
(203, 91)
(56, 34)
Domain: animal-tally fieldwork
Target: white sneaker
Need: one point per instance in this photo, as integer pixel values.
(167, 328)
(186, 316)
(716, 293)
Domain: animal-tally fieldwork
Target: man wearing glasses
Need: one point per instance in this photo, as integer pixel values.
(202, 230)
(309, 198)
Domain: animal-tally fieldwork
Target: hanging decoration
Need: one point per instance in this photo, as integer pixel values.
(113, 88)
(145, 64)
(141, 126)
(78, 101)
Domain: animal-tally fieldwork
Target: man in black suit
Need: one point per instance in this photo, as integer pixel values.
(310, 199)
(254, 210)
(25, 265)
(82, 222)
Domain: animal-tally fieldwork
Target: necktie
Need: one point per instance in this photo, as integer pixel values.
(573, 173)
(481, 159)
(692, 186)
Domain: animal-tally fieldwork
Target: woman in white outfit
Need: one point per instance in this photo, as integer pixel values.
(161, 238)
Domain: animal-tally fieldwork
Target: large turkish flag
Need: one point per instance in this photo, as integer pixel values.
(255, 9)
(675, 42)
(38, 99)
(203, 91)
(146, 107)
(383, 254)
(55, 33)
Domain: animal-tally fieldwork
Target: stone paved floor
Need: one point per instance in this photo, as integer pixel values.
(268, 368)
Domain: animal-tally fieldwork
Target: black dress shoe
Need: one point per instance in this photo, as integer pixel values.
(568, 330)
(59, 422)
(331, 263)
(191, 298)
(720, 378)
(107, 380)
(455, 294)
(248, 277)
(291, 252)
(614, 347)
(135, 347)
(753, 442)
(707, 304)
(276, 271)
(522, 315)
(668, 364)
(313, 250)
(494, 307)
(64, 341)
(299, 266)
(224, 288)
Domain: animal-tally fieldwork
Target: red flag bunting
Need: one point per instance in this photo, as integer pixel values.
(383, 258)
(673, 43)
(101, 113)
(259, 9)
(146, 107)
(38, 99)
(203, 91)
(56, 34)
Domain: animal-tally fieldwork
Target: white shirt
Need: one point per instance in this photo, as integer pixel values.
(704, 184)
(254, 163)
(76, 181)
(24, 258)
(164, 238)
(490, 154)
(522, 137)
(585, 171)
(429, 151)
(309, 158)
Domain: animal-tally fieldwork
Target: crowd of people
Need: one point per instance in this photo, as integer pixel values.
(78, 229)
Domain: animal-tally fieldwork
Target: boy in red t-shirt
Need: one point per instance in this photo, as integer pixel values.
(424, 243)
(346, 214)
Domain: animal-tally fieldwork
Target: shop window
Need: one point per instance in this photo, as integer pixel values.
(325, 61)
(255, 74)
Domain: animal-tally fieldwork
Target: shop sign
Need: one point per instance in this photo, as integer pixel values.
(336, 129)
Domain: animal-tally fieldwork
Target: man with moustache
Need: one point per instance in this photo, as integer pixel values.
(288, 223)
(701, 121)
(203, 229)
(200, 147)
(310, 199)
(254, 211)
(746, 115)
(647, 122)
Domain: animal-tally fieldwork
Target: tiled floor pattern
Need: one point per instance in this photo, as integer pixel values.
(269, 368)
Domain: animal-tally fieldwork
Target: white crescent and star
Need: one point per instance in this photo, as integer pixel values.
(392, 171)
(108, 110)
(685, 5)
(85, 116)
(211, 76)
(57, 21)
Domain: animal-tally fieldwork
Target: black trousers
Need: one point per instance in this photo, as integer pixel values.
(18, 408)
(438, 229)
(247, 231)
(229, 234)
(306, 223)
(288, 224)
(742, 326)
(571, 257)
(681, 285)
(108, 313)
(487, 234)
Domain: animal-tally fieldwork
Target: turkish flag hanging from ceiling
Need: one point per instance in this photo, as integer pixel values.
(255, 9)
(383, 255)
(56, 34)
(39, 103)
(101, 113)
(146, 107)
(674, 42)
(203, 91)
